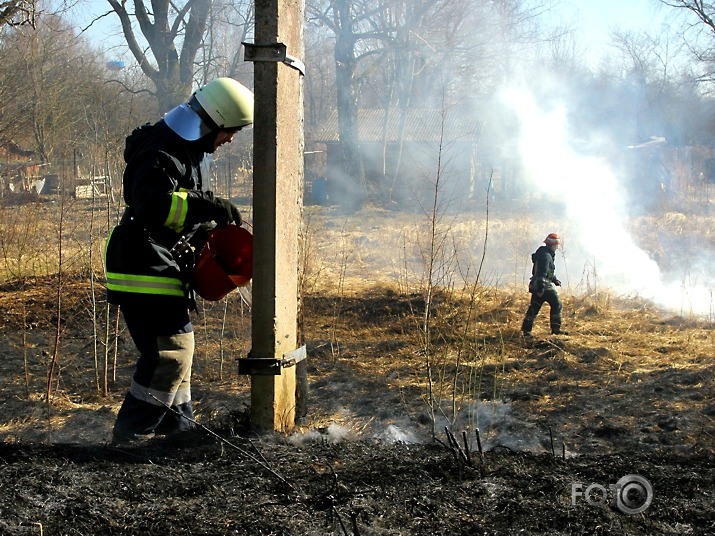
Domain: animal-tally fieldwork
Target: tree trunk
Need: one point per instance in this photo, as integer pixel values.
(173, 72)
(351, 187)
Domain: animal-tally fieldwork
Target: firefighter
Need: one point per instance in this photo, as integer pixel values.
(542, 287)
(149, 255)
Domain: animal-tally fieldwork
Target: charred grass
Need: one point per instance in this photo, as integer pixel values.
(629, 391)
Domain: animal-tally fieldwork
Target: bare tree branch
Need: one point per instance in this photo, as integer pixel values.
(166, 25)
(17, 12)
(705, 11)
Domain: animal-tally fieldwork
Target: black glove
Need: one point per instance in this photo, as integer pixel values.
(557, 282)
(226, 213)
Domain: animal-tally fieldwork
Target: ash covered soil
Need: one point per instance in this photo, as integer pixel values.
(629, 392)
(350, 487)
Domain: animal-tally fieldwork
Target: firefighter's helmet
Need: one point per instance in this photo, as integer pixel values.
(225, 262)
(552, 240)
(223, 104)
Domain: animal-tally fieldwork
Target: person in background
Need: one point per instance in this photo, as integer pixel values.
(542, 287)
(149, 255)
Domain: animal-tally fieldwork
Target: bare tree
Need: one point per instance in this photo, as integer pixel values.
(700, 35)
(164, 25)
(230, 23)
(319, 79)
(343, 17)
(400, 54)
(45, 72)
(365, 31)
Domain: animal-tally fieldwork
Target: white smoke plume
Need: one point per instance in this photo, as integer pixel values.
(596, 213)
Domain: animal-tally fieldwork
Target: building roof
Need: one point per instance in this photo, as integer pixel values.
(419, 125)
(8, 148)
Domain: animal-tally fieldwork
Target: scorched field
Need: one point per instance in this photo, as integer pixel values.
(428, 413)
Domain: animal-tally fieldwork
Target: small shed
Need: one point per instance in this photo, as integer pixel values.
(19, 171)
(409, 156)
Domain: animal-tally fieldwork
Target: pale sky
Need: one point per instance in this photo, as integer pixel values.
(596, 18)
(592, 19)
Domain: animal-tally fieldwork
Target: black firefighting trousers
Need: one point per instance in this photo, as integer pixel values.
(162, 377)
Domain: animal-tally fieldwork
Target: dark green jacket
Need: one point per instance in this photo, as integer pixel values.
(542, 273)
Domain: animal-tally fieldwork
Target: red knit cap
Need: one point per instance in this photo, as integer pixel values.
(552, 239)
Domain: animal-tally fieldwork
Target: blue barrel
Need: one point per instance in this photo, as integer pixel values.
(320, 192)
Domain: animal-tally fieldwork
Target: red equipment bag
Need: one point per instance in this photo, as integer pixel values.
(225, 262)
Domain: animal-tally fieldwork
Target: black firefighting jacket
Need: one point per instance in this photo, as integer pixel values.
(542, 273)
(163, 192)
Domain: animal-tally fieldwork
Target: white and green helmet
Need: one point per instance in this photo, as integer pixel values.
(223, 104)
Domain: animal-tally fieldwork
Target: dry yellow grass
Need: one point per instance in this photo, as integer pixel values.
(629, 374)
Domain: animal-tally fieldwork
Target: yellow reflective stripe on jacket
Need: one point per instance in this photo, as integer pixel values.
(177, 213)
(145, 284)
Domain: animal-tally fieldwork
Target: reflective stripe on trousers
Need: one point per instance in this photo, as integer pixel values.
(166, 380)
(162, 377)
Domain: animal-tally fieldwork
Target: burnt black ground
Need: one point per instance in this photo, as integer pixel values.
(268, 486)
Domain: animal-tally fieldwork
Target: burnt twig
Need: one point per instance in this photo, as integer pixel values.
(466, 448)
(235, 447)
(479, 447)
(460, 455)
(448, 447)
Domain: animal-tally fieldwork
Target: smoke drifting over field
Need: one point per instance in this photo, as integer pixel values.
(596, 210)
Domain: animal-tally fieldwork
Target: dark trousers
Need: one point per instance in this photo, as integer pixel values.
(551, 297)
(159, 398)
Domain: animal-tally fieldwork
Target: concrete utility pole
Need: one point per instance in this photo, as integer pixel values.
(278, 204)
